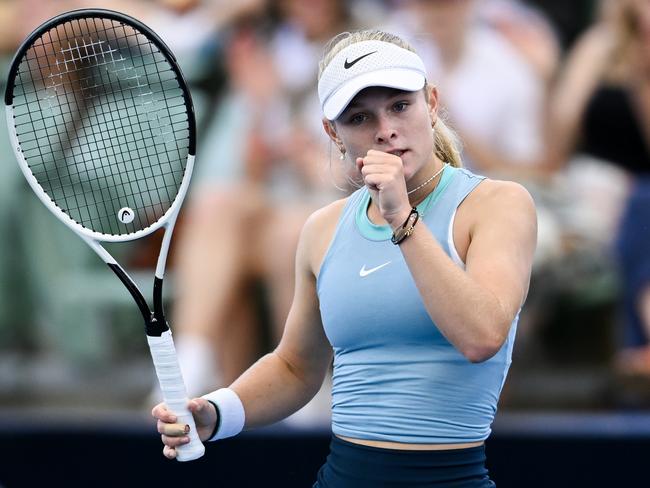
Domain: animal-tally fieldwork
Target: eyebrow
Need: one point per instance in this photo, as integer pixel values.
(395, 94)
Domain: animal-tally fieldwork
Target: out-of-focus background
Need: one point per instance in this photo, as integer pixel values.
(552, 94)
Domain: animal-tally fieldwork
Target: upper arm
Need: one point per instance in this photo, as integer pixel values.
(582, 71)
(503, 235)
(304, 345)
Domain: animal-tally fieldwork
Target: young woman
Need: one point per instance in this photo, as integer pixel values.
(414, 283)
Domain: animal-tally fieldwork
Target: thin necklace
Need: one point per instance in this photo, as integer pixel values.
(429, 180)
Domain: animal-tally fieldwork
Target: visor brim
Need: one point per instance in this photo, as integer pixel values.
(400, 79)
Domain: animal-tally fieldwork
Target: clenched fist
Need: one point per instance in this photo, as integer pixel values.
(383, 174)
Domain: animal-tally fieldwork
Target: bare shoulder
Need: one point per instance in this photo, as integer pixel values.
(501, 206)
(496, 201)
(323, 219)
(325, 215)
(318, 231)
(495, 194)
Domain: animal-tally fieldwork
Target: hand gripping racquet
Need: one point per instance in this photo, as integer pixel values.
(102, 124)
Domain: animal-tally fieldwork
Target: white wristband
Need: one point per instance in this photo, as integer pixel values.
(230, 413)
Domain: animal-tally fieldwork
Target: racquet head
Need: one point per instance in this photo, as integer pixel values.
(102, 123)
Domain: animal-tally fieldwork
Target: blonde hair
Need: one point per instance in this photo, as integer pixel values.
(446, 141)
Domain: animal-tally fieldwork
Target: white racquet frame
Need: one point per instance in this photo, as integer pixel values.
(161, 347)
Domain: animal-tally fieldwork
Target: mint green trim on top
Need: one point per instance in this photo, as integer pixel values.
(374, 232)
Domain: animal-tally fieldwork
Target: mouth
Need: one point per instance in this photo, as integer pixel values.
(398, 152)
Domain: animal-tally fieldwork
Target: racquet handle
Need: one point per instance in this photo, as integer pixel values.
(173, 390)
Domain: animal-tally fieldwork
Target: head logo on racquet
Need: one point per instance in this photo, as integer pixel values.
(126, 215)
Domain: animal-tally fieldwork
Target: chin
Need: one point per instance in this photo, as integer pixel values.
(410, 170)
(409, 175)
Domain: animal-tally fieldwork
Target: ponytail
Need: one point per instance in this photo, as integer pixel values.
(447, 144)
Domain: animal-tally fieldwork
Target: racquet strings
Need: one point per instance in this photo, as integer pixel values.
(102, 122)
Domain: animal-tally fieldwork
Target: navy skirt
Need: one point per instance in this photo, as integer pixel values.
(354, 466)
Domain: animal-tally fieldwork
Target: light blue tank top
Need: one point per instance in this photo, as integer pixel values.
(396, 377)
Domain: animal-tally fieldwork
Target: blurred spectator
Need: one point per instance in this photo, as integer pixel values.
(528, 30)
(189, 27)
(261, 171)
(493, 93)
(602, 103)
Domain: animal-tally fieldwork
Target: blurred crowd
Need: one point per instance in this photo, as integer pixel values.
(554, 95)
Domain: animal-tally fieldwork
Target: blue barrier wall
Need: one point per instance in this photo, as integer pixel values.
(529, 452)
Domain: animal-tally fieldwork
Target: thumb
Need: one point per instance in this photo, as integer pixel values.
(201, 410)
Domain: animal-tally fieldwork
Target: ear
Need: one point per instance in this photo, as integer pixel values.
(330, 130)
(432, 99)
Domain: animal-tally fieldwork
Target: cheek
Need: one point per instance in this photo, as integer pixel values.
(354, 151)
(425, 141)
(356, 144)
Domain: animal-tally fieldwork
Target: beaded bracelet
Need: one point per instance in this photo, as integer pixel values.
(407, 228)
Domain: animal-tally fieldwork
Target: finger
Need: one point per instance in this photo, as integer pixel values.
(373, 181)
(158, 409)
(374, 169)
(161, 412)
(169, 452)
(388, 170)
(201, 410)
(379, 163)
(375, 152)
(374, 156)
(175, 430)
(195, 405)
(377, 176)
(174, 441)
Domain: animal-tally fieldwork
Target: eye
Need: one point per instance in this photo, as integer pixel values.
(400, 106)
(357, 118)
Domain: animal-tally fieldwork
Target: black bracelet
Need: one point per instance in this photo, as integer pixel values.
(217, 424)
(407, 227)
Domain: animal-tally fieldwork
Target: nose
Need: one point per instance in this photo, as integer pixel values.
(386, 130)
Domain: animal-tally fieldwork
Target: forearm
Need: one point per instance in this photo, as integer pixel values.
(272, 389)
(466, 313)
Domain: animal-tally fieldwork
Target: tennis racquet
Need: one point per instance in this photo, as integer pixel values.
(102, 124)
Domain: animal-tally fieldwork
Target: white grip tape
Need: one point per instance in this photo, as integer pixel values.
(173, 390)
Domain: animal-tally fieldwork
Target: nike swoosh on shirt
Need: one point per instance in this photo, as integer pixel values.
(349, 64)
(365, 272)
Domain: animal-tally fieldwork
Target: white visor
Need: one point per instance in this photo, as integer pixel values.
(365, 64)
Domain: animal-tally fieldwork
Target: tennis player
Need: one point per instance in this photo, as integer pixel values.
(413, 284)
